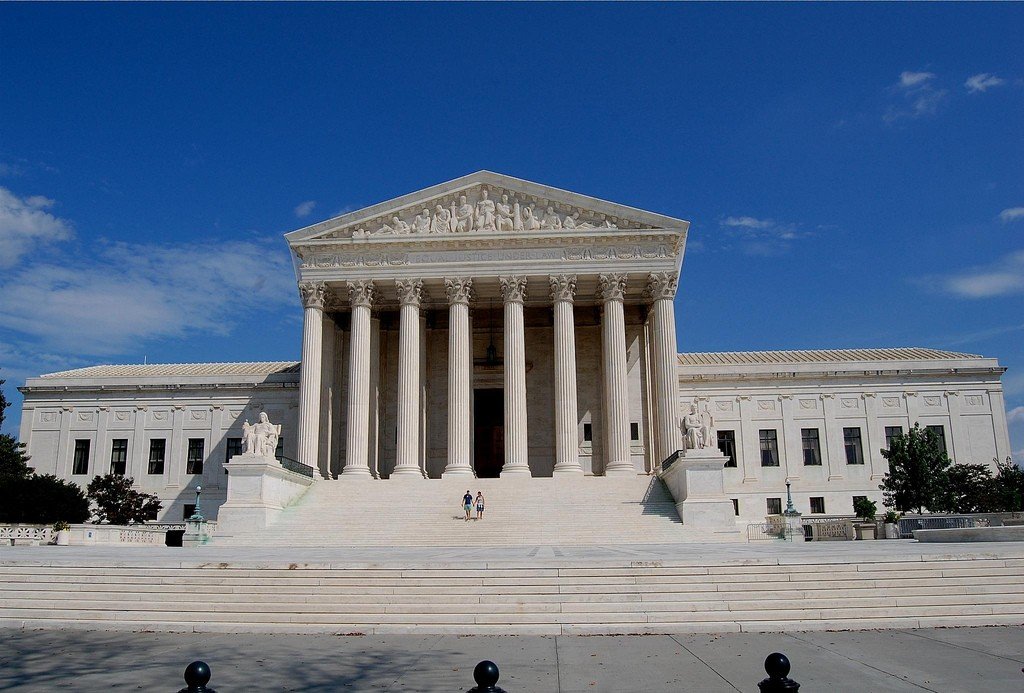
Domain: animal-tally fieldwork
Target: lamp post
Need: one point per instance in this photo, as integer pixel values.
(794, 528)
(196, 515)
(195, 526)
(790, 510)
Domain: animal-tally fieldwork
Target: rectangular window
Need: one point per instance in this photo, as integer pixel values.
(727, 444)
(735, 506)
(634, 432)
(157, 449)
(851, 441)
(856, 499)
(588, 432)
(189, 511)
(234, 448)
(774, 506)
(769, 447)
(941, 433)
(119, 456)
(818, 505)
(890, 433)
(279, 451)
(81, 460)
(194, 462)
(812, 447)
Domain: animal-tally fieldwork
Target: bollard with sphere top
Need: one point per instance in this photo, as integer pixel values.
(486, 676)
(197, 675)
(777, 667)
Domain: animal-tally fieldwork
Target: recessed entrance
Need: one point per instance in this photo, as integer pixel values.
(488, 432)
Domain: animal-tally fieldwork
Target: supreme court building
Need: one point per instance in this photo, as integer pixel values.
(494, 327)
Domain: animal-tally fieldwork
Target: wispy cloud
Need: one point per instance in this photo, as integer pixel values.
(304, 209)
(1015, 415)
(761, 236)
(917, 96)
(1011, 214)
(981, 82)
(1002, 278)
(25, 224)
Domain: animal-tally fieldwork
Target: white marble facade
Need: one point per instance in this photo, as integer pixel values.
(494, 326)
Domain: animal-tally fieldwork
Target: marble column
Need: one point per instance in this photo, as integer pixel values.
(611, 291)
(460, 366)
(357, 440)
(410, 293)
(567, 444)
(661, 288)
(313, 296)
(513, 291)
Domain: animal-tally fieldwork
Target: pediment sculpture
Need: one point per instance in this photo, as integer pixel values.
(480, 210)
(260, 439)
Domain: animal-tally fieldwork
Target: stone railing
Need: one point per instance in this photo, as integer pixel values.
(32, 535)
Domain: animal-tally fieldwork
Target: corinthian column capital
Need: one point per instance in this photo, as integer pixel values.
(661, 285)
(459, 290)
(361, 293)
(513, 288)
(410, 291)
(563, 287)
(611, 287)
(313, 294)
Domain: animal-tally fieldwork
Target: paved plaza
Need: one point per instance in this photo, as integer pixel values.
(941, 660)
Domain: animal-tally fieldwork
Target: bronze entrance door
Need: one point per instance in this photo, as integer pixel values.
(488, 432)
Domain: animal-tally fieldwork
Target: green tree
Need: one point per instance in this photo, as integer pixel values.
(1008, 486)
(965, 488)
(42, 499)
(118, 503)
(865, 509)
(917, 466)
(13, 460)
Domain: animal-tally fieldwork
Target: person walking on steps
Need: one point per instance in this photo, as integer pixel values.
(467, 503)
(479, 505)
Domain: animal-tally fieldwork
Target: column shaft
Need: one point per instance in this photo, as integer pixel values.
(516, 447)
(407, 455)
(459, 372)
(666, 381)
(308, 447)
(567, 459)
(616, 389)
(357, 440)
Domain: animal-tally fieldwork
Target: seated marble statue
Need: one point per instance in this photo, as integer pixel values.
(693, 430)
(260, 439)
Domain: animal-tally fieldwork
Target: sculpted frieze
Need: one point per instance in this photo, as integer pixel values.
(634, 252)
(485, 210)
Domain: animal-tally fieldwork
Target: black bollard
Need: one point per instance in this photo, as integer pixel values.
(197, 675)
(777, 667)
(486, 676)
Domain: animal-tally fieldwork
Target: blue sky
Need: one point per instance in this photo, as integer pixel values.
(853, 173)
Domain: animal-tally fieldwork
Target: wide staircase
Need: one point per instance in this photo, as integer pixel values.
(428, 512)
(797, 590)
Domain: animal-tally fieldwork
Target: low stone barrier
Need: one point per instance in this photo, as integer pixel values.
(970, 534)
(84, 535)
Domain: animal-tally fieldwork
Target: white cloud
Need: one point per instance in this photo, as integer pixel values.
(1011, 214)
(1001, 278)
(917, 95)
(1015, 415)
(982, 82)
(909, 79)
(129, 293)
(303, 209)
(24, 224)
(747, 222)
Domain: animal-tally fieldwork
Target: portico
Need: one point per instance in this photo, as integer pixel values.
(411, 315)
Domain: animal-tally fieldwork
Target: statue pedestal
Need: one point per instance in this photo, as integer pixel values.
(697, 482)
(259, 488)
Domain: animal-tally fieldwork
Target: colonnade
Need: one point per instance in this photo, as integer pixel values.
(660, 291)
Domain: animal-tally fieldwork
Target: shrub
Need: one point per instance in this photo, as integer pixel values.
(117, 503)
(42, 500)
(865, 509)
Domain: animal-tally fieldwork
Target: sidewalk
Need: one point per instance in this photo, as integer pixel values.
(973, 660)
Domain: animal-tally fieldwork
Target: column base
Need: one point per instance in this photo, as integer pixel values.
(407, 473)
(356, 472)
(620, 468)
(515, 470)
(457, 471)
(568, 470)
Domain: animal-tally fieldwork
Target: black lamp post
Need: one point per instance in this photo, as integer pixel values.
(196, 515)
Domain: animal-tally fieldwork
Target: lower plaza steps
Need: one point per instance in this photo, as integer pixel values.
(428, 512)
(799, 588)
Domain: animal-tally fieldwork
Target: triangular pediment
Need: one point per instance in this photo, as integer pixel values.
(484, 203)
